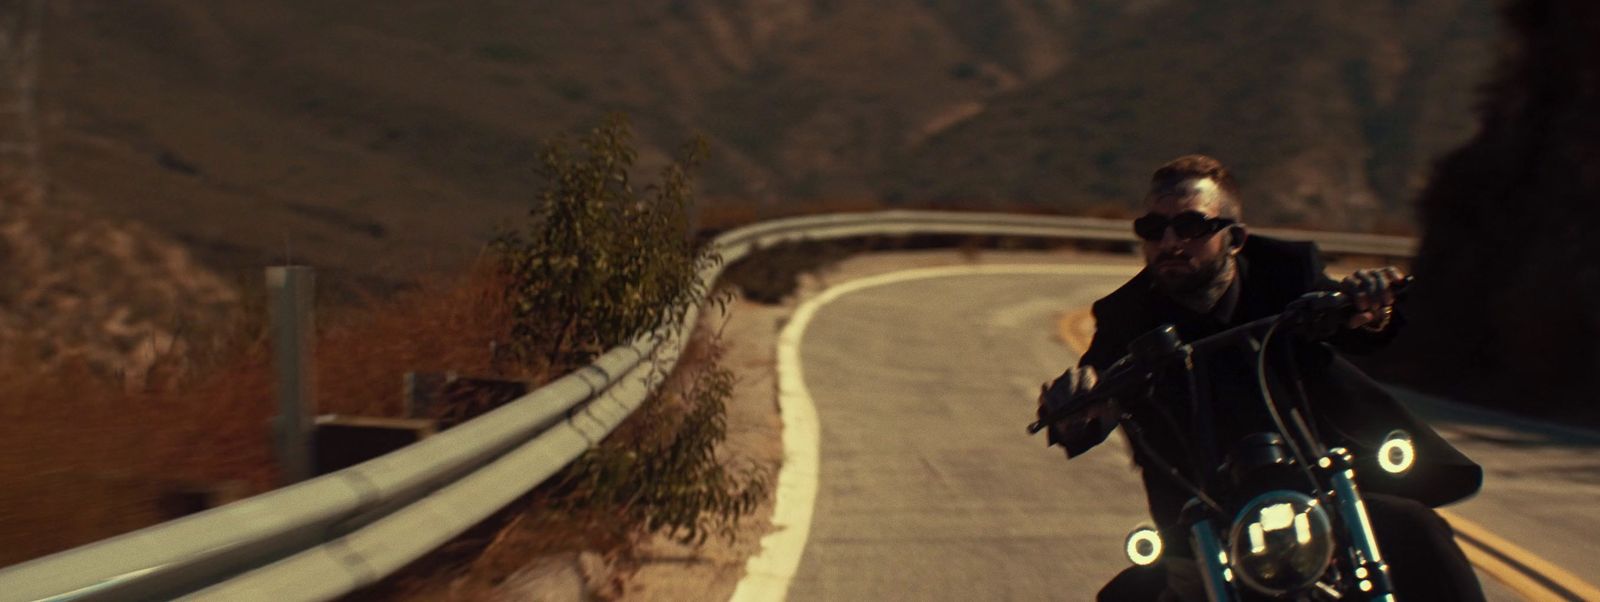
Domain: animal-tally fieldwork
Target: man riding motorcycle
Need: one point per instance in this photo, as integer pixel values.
(1205, 273)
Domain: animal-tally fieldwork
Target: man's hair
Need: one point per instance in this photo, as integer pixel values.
(1168, 180)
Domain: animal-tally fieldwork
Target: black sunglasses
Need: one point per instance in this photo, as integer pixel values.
(1187, 225)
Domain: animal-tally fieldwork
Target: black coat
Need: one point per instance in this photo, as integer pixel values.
(1352, 409)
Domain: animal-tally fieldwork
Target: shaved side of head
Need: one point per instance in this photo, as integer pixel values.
(1198, 176)
(1204, 189)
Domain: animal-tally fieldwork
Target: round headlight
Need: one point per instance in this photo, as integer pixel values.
(1281, 541)
(1396, 455)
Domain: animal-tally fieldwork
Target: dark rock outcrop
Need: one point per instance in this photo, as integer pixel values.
(1507, 310)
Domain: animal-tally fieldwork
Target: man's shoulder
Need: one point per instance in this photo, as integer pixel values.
(1129, 301)
(1282, 261)
(1117, 318)
(1135, 288)
(1277, 271)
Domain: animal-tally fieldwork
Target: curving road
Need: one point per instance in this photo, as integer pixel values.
(927, 487)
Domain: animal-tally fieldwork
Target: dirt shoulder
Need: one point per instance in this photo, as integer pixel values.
(672, 571)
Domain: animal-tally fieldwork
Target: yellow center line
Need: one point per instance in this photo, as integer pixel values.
(1505, 561)
(1507, 575)
(1522, 571)
(1076, 329)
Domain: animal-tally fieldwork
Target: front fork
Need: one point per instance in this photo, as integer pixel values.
(1371, 572)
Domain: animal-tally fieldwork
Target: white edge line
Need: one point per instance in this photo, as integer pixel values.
(770, 571)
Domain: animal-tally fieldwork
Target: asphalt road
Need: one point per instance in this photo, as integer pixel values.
(1541, 484)
(928, 487)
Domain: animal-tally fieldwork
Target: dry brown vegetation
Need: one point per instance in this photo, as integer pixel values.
(445, 324)
(84, 457)
(87, 454)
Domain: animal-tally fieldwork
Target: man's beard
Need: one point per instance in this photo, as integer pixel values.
(1202, 288)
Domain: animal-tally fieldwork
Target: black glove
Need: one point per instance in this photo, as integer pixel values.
(1373, 292)
(1060, 393)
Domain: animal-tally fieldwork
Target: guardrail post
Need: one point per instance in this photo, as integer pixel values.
(291, 290)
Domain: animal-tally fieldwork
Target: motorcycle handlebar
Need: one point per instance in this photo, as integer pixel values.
(1316, 313)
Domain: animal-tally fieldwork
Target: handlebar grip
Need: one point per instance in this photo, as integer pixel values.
(1112, 384)
(1401, 286)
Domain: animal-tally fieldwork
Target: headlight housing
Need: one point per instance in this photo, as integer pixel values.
(1281, 541)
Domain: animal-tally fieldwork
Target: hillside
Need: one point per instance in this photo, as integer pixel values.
(381, 140)
(116, 295)
(1330, 113)
(375, 136)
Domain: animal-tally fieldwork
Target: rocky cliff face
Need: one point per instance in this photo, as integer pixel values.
(1509, 247)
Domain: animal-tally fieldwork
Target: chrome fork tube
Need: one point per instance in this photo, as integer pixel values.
(1371, 572)
(1214, 571)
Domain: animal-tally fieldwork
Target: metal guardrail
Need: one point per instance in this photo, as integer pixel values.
(334, 534)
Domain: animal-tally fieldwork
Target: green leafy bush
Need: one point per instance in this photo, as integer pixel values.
(601, 262)
(599, 265)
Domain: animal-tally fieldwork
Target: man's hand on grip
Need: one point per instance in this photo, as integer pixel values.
(1374, 293)
(1061, 392)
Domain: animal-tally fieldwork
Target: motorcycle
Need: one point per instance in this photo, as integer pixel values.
(1280, 517)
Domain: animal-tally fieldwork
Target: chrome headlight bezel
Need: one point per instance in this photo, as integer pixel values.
(1281, 541)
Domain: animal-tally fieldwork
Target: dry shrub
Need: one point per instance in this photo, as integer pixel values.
(715, 217)
(69, 456)
(83, 458)
(771, 274)
(445, 324)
